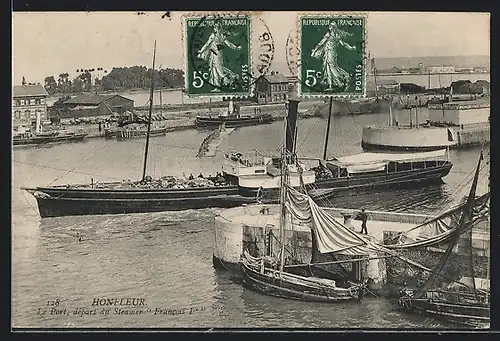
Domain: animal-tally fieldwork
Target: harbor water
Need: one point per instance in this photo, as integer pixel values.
(62, 266)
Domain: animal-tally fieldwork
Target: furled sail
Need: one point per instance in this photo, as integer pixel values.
(440, 229)
(330, 235)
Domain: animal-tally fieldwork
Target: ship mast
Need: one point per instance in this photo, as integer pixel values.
(374, 71)
(288, 157)
(150, 114)
(390, 114)
(327, 134)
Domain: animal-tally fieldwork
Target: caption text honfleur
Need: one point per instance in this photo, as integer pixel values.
(112, 306)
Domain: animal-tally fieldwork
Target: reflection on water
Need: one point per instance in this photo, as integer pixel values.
(166, 257)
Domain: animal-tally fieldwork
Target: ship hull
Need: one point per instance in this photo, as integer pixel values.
(60, 201)
(294, 287)
(57, 207)
(233, 268)
(125, 135)
(367, 146)
(411, 178)
(471, 315)
(202, 122)
(33, 141)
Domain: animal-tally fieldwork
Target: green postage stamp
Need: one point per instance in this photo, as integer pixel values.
(218, 55)
(332, 54)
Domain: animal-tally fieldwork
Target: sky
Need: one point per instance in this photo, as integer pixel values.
(50, 43)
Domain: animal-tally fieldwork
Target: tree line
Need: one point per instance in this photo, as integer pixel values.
(119, 79)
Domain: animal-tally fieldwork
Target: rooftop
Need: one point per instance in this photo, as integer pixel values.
(85, 107)
(276, 78)
(29, 90)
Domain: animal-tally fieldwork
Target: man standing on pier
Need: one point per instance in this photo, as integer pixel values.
(363, 216)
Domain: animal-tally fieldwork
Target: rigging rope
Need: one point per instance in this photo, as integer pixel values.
(56, 168)
(84, 160)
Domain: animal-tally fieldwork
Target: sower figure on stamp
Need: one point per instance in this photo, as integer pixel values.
(212, 51)
(333, 75)
(363, 216)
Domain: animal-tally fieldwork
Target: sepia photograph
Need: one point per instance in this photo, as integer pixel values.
(256, 170)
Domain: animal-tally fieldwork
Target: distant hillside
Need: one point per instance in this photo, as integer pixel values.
(407, 62)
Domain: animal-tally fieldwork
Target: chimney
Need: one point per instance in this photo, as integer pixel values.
(291, 126)
(23, 81)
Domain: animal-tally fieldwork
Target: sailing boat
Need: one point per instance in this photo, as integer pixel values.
(146, 195)
(284, 276)
(453, 290)
(130, 125)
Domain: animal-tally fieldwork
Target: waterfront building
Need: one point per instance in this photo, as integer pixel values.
(384, 86)
(441, 69)
(485, 85)
(421, 69)
(464, 70)
(95, 105)
(28, 104)
(272, 88)
(480, 69)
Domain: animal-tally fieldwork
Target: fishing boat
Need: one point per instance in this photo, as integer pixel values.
(39, 137)
(454, 283)
(323, 177)
(145, 195)
(286, 277)
(133, 131)
(43, 138)
(232, 118)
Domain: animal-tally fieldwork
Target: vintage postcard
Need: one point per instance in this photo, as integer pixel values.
(251, 170)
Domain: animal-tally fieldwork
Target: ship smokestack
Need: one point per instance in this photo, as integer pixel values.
(291, 127)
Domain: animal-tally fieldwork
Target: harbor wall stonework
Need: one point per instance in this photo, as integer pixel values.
(473, 136)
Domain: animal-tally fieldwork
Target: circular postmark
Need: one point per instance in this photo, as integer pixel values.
(292, 55)
(220, 54)
(263, 51)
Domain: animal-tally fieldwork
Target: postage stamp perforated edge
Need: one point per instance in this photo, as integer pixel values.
(185, 55)
(299, 18)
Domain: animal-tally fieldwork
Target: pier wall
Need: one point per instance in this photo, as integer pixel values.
(458, 116)
(473, 135)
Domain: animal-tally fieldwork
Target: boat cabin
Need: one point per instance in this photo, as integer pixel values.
(383, 163)
(237, 164)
